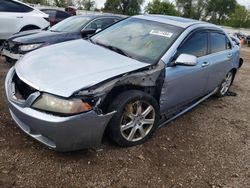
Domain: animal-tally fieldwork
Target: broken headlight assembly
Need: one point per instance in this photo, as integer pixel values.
(29, 47)
(57, 105)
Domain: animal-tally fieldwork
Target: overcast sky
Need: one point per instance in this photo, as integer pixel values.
(100, 3)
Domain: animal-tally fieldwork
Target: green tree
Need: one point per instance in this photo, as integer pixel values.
(88, 4)
(240, 17)
(79, 4)
(192, 8)
(185, 6)
(217, 11)
(161, 7)
(61, 3)
(127, 7)
(41, 2)
(85, 4)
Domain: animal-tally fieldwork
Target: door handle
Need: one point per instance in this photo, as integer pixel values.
(205, 64)
(19, 17)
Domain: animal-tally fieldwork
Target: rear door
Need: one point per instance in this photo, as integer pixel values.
(11, 15)
(221, 59)
(186, 83)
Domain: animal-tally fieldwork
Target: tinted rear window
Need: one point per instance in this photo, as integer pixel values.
(218, 42)
(62, 15)
(51, 13)
(11, 6)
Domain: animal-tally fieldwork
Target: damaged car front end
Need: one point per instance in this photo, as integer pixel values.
(62, 132)
(77, 122)
(126, 80)
(75, 116)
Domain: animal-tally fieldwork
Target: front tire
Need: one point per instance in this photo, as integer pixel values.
(136, 118)
(225, 85)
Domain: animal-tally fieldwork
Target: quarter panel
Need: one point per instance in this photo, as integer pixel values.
(9, 24)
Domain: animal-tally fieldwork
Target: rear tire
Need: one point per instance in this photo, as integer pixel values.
(136, 118)
(225, 85)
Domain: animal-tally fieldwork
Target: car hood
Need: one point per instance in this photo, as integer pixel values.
(65, 68)
(42, 36)
(25, 33)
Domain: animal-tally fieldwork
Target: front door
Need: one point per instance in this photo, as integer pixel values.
(186, 83)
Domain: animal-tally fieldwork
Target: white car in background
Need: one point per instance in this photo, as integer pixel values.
(16, 16)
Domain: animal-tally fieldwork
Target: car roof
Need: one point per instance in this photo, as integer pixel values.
(51, 9)
(173, 20)
(54, 9)
(93, 16)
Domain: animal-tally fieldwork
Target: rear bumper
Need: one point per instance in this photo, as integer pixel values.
(59, 133)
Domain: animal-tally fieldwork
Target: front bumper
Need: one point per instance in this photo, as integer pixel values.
(12, 56)
(60, 133)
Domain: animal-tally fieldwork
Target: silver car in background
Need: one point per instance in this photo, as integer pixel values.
(127, 80)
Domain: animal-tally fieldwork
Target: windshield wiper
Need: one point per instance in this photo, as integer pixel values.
(113, 48)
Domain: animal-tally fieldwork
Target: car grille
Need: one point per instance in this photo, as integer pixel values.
(22, 90)
(11, 46)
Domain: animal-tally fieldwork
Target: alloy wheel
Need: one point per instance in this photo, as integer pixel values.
(137, 121)
(226, 83)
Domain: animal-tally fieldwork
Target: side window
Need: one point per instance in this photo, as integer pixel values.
(12, 6)
(61, 15)
(218, 42)
(196, 45)
(107, 22)
(51, 13)
(100, 23)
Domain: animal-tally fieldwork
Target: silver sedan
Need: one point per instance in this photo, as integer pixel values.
(127, 80)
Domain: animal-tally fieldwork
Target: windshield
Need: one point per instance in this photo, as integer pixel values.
(71, 24)
(140, 39)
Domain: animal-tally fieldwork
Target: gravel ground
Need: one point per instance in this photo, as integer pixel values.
(207, 147)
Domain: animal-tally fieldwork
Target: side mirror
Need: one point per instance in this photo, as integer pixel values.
(186, 60)
(87, 32)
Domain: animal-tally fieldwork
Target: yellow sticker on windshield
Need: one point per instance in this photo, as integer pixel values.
(161, 33)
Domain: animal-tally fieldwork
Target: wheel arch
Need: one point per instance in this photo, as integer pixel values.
(234, 71)
(151, 90)
(29, 27)
(149, 81)
(241, 61)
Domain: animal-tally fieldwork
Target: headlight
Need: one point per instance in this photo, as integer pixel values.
(58, 105)
(29, 47)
